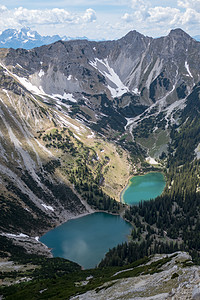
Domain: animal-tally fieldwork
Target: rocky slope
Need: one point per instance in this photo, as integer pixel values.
(134, 91)
(114, 86)
(159, 277)
(41, 150)
(177, 279)
(26, 166)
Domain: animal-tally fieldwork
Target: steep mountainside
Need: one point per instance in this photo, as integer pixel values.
(77, 119)
(49, 163)
(136, 91)
(115, 85)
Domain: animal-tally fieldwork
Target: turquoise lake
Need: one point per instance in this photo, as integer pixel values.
(86, 240)
(143, 187)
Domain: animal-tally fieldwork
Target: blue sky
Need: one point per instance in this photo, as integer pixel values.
(104, 19)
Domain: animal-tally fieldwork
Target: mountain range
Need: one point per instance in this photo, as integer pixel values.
(79, 117)
(27, 38)
(115, 85)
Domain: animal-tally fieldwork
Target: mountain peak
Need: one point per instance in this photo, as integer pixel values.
(133, 34)
(178, 32)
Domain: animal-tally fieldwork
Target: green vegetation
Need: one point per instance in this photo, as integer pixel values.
(13, 217)
(171, 221)
(71, 284)
(163, 225)
(83, 168)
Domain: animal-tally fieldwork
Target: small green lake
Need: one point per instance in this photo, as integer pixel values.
(144, 187)
(86, 240)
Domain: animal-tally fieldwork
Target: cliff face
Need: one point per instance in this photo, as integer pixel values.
(33, 196)
(44, 153)
(114, 85)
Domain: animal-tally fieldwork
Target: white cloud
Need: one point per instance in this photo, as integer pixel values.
(140, 9)
(3, 8)
(139, 4)
(127, 18)
(19, 17)
(150, 17)
(161, 14)
(193, 4)
(190, 17)
(154, 17)
(89, 16)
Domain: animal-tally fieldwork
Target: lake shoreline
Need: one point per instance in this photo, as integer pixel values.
(129, 183)
(96, 233)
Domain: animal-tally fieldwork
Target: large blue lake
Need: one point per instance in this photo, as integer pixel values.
(86, 240)
(143, 187)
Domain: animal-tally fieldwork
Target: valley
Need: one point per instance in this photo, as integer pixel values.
(77, 120)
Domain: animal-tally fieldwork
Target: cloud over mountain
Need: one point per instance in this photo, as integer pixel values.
(25, 17)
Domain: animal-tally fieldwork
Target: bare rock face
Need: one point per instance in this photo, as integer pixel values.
(196, 292)
(175, 281)
(124, 78)
(152, 67)
(33, 197)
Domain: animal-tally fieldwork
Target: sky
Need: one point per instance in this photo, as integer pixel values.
(102, 19)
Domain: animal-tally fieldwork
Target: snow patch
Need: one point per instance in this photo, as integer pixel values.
(32, 35)
(151, 161)
(19, 66)
(188, 69)
(47, 207)
(68, 97)
(69, 77)
(76, 136)
(21, 235)
(136, 91)
(68, 124)
(118, 88)
(41, 73)
(29, 86)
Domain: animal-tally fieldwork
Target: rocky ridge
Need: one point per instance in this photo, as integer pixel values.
(177, 279)
(115, 85)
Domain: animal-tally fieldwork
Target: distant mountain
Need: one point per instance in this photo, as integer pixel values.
(27, 39)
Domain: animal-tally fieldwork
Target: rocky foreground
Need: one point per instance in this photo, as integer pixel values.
(178, 279)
